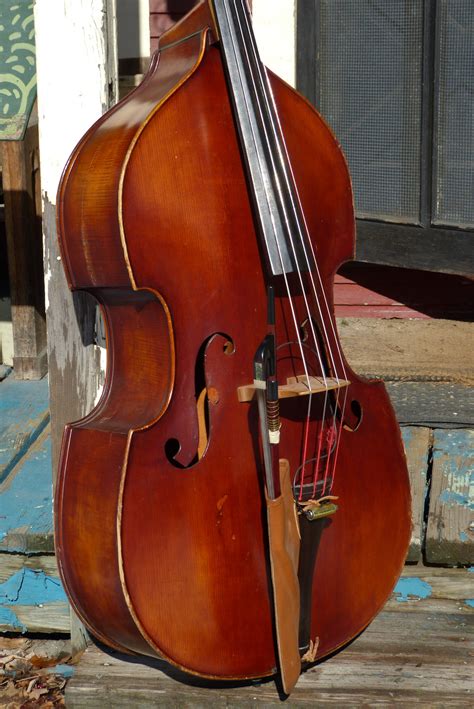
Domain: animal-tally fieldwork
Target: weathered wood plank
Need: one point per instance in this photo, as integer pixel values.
(416, 442)
(434, 249)
(12, 563)
(420, 585)
(26, 522)
(342, 681)
(404, 658)
(450, 530)
(31, 595)
(413, 350)
(406, 670)
(24, 413)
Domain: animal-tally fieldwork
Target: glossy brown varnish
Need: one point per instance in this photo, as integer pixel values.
(156, 222)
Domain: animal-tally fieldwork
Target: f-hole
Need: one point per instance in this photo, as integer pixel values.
(353, 416)
(172, 445)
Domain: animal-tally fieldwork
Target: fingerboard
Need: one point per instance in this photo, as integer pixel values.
(276, 203)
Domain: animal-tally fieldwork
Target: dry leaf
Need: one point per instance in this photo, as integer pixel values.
(310, 655)
(37, 692)
(14, 643)
(10, 690)
(39, 662)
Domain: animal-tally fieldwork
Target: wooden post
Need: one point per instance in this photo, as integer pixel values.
(23, 231)
(77, 82)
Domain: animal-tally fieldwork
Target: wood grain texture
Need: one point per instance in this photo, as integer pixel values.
(416, 442)
(406, 657)
(406, 246)
(450, 531)
(410, 350)
(126, 118)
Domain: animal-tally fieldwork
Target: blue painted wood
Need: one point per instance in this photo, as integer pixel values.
(26, 505)
(24, 413)
(414, 587)
(27, 593)
(450, 529)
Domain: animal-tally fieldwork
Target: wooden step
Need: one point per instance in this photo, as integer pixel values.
(417, 652)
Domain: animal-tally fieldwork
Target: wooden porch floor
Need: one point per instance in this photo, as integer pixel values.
(418, 652)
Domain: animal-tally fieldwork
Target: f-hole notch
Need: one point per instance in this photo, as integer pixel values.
(203, 395)
(353, 416)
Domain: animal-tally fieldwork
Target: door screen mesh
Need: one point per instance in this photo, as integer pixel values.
(370, 68)
(454, 115)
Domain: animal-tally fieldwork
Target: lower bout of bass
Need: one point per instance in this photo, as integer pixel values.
(86, 504)
(200, 586)
(174, 563)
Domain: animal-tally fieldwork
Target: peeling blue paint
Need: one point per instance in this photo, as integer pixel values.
(30, 588)
(410, 588)
(23, 416)
(65, 671)
(8, 618)
(452, 442)
(448, 497)
(27, 588)
(471, 569)
(469, 602)
(463, 537)
(26, 498)
(452, 452)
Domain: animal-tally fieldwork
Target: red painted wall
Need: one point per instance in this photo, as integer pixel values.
(163, 15)
(370, 290)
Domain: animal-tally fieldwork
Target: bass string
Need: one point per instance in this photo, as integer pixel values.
(299, 215)
(335, 426)
(285, 275)
(265, 91)
(269, 98)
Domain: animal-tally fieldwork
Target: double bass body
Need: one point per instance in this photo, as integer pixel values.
(160, 532)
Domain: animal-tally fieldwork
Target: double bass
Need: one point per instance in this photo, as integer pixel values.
(239, 497)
